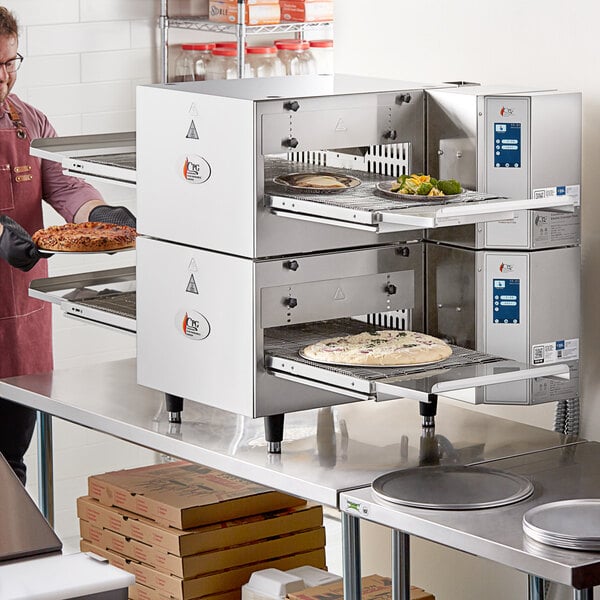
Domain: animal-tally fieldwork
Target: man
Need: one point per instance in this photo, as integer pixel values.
(26, 323)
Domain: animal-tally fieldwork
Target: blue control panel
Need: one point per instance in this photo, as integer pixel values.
(507, 145)
(506, 299)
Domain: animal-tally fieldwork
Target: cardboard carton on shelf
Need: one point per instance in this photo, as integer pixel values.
(374, 587)
(256, 14)
(308, 11)
(200, 539)
(185, 495)
(195, 565)
(188, 589)
(143, 592)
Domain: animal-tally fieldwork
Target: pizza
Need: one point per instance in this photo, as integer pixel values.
(319, 181)
(85, 237)
(382, 348)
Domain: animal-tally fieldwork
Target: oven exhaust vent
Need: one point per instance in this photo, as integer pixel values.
(393, 319)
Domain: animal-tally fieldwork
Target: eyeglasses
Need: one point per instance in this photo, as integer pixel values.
(12, 65)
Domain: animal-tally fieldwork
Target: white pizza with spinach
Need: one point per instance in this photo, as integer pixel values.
(383, 348)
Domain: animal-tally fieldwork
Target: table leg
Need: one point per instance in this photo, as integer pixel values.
(537, 589)
(45, 467)
(587, 594)
(351, 557)
(400, 565)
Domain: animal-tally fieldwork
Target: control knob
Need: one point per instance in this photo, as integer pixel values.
(291, 302)
(391, 289)
(290, 142)
(291, 105)
(292, 265)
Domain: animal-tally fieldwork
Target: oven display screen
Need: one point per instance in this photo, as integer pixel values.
(507, 145)
(506, 300)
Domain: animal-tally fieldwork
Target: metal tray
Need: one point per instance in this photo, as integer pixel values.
(452, 488)
(573, 524)
(49, 253)
(288, 181)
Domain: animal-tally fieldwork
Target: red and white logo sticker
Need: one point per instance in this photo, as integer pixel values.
(195, 169)
(192, 324)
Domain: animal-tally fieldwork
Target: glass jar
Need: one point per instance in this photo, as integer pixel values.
(296, 57)
(223, 64)
(262, 61)
(202, 56)
(184, 64)
(322, 51)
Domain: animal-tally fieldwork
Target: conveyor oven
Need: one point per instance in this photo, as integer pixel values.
(237, 273)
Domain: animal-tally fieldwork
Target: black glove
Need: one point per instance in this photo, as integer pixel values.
(117, 215)
(16, 246)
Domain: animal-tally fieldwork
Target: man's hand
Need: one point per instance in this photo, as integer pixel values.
(16, 246)
(117, 215)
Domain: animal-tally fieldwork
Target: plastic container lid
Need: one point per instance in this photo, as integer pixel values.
(292, 45)
(225, 51)
(197, 46)
(227, 44)
(261, 50)
(321, 43)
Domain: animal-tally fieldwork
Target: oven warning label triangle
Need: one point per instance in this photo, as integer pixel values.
(340, 125)
(339, 294)
(194, 110)
(192, 134)
(191, 286)
(193, 267)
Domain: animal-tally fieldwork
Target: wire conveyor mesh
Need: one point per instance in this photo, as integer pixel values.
(365, 197)
(119, 303)
(286, 342)
(125, 160)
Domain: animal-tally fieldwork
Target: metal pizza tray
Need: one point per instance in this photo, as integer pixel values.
(573, 524)
(452, 488)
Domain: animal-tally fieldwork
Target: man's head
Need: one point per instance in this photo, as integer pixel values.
(9, 44)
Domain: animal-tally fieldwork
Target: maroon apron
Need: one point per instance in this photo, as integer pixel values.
(25, 323)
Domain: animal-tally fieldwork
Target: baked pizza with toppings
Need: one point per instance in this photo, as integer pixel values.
(85, 237)
(385, 348)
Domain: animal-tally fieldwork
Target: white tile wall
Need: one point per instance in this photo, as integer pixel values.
(83, 59)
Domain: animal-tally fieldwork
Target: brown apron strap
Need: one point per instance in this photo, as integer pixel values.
(15, 117)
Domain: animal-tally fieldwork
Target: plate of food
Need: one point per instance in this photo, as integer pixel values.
(420, 188)
(85, 238)
(318, 182)
(382, 348)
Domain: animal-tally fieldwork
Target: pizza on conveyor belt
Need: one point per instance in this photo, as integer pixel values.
(85, 237)
(381, 348)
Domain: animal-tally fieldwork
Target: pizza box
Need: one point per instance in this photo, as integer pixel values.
(193, 541)
(143, 592)
(374, 587)
(188, 567)
(185, 495)
(187, 589)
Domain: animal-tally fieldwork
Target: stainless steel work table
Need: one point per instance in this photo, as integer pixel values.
(325, 451)
(497, 534)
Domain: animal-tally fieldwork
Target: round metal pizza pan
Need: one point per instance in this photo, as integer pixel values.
(80, 253)
(573, 524)
(385, 188)
(452, 487)
(369, 366)
(288, 181)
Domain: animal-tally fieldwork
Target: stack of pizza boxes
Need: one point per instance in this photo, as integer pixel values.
(258, 12)
(187, 531)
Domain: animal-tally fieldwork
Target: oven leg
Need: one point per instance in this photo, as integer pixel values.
(428, 410)
(587, 594)
(174, 407)
(45, 466)
(537, 588)
(351, 557)
(400, 565)
(274, 433)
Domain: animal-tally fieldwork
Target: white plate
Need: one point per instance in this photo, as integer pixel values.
(289, 181)
(384, 188)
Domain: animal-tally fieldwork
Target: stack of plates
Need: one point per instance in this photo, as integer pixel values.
(573, 524)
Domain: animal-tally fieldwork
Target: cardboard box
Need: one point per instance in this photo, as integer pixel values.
(143, 592)
(193, 541)
(307, 12)
(256, 14)
(374, 587)
(195, 565)
(188, 589)
(186, 495)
